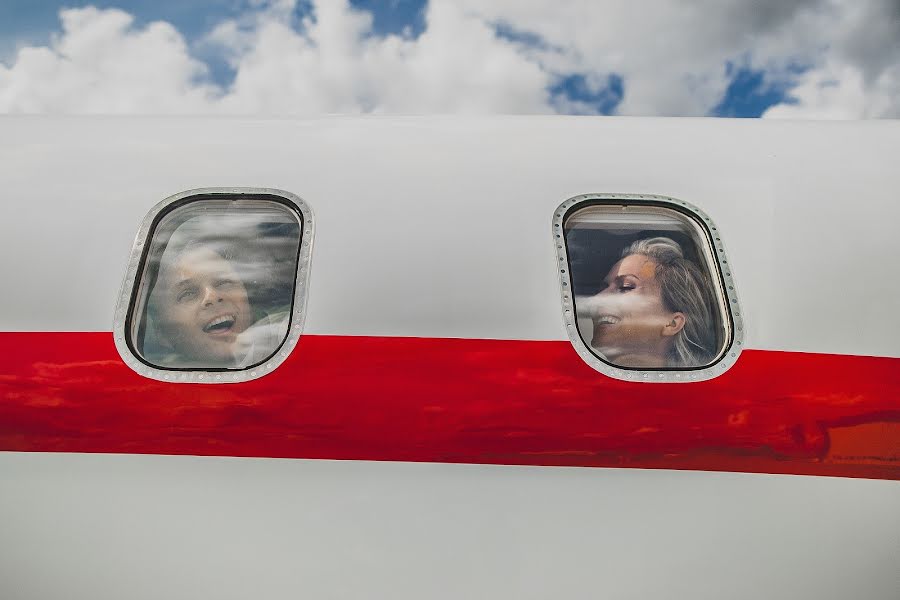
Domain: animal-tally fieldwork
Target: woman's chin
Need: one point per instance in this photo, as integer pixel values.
(628, 357)
(609, 352)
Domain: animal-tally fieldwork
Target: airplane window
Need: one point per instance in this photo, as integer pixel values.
(215, 290)
(643, 290)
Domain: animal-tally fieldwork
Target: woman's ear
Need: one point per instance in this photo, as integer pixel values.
(675, 325)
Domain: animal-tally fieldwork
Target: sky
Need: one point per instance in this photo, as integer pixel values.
(804, 59)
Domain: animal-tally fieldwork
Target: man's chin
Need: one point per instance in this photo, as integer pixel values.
(208, 358)
(222, 361)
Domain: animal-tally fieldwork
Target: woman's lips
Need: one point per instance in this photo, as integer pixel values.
(606, 320)
(220, 325)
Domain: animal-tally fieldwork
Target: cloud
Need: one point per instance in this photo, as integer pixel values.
(672, 56)
(101, 64)
(859, 74)
(332, 64)
(828, 58)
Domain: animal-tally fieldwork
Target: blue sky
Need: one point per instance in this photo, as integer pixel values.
(723, 67)
(32, 21)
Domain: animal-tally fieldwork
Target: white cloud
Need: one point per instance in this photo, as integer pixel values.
(672, 57)
(100, 64)
(859, 74)
(335, 65)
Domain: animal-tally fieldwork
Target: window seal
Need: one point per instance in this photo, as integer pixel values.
(724, 279)
(128, 293)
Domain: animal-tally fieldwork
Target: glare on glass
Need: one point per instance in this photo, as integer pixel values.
(646, 291)
(217, 285)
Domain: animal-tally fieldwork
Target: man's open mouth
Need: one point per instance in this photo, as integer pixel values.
(607, 320)
(220, 324)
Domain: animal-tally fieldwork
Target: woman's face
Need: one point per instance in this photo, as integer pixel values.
(632, 327)
(203, 308)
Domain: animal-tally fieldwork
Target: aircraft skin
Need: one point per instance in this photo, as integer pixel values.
(434, 334)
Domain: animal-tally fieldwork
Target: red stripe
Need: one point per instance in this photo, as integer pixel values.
(448, 400)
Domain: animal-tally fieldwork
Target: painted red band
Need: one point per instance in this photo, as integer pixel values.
(451, 400)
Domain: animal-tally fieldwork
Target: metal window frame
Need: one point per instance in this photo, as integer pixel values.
(723, 278)
(139, 250)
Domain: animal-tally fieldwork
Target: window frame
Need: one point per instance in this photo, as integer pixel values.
(128, 294)
(723, 278)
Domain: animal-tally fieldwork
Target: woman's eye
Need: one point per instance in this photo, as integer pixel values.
(224, 283)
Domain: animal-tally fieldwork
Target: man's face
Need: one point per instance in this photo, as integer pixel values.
(203, 308)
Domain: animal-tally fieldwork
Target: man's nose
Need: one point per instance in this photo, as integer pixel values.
(210, 295)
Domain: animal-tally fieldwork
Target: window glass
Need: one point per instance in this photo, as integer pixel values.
(646, 288)
(216, 286)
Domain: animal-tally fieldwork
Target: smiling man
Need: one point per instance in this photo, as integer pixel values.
(200, 307)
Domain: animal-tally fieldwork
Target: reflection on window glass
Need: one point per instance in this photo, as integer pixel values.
(645, 292)
(217, 285)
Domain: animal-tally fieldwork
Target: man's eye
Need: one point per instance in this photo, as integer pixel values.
(186, 295)
(224, 283)
(626, 287)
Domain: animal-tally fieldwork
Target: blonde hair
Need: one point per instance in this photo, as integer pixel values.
(685, 289)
